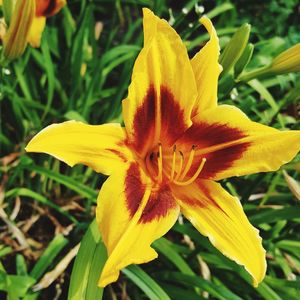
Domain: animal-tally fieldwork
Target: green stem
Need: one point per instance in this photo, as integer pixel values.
(254, 74)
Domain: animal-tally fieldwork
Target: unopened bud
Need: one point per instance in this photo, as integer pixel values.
(15, 39)
(235, 48)
(287, 61)
(44, 9)
(48, 8)
(7, 6)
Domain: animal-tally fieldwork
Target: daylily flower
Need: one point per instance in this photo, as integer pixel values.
(26, 24)
(44, 9)
(176, 143)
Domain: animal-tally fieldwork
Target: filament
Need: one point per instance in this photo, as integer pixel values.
(189, 163)
(192, 179)
(173, 163)
(180, 166)
(160, 163)
(179, 170)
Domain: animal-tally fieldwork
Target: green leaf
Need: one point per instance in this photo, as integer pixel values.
(5, 250)
(74, 115)
(69, 182)
(290, 245)
(220, 292)
(46, 259)
(15, 285)
(31, 194)
(264, 93)
(21, 265)
(273, 215)
(88, 266)
(167, 248)
(145, 283)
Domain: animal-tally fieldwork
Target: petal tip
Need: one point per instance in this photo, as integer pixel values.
(147, 12)
(31, 145)
(206, 21)
(260, 273)
(27, 148)
(107, 278)
(211, 30)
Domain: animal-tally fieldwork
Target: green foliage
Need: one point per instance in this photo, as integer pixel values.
(77, 74)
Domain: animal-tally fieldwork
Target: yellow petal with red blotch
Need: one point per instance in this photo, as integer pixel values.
(163, 90)
(233, 145)
(220, 217)
(131, 215)
(207, 70)
(101, 147)
(36, 31)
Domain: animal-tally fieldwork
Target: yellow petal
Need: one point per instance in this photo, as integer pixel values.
(207, 69)
(100, 147)
(162, 91)
(233, 145)
(131, 215)
(220, 217)
(36, 30)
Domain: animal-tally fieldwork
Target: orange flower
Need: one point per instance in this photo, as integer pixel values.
(27, 24)
(44, 9)
(176, 143)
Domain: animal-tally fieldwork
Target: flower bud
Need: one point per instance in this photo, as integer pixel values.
(243, 61)
(7, 6)
(235, 48)
(287, 61)
(15, 40)
(48, 8)
(44, 9)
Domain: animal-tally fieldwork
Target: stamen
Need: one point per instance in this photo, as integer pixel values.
(180, 166)
(189, 163)
(173, 163)
(160, 163)
(192, 179)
